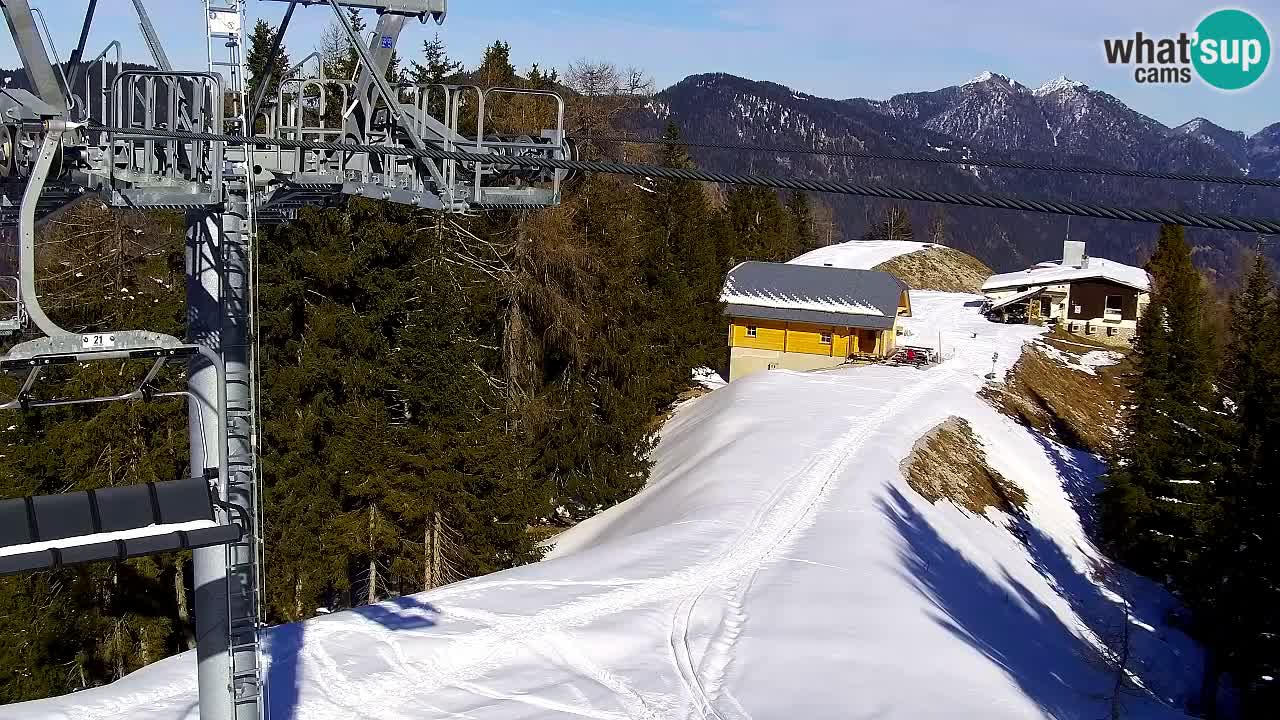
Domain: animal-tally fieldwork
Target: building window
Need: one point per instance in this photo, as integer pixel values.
(1046, 307)
(1115, 308)
(751, 331)
(825, 337)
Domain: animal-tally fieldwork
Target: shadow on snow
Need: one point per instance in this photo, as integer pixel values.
(284, 644)
(1004, 620)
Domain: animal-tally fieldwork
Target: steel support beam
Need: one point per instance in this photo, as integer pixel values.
(149, 35)
(49, 149)
(31, 50)
(373, 70)
(236, 237)
(218, 296)
(204, 384)
(77, 55)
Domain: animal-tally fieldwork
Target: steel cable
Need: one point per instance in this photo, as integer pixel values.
(1208, 221)
(921, 157)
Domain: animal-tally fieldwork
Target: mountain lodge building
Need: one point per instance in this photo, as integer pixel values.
(803, 317)
(1093, 297)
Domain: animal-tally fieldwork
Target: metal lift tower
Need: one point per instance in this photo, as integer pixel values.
(94, 127)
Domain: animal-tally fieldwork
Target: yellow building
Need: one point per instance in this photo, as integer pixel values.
(803, 317)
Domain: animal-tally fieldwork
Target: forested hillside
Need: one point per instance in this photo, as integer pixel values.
(439, 392)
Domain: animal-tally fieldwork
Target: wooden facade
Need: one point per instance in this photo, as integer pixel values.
(807, 338)
(1089, 299)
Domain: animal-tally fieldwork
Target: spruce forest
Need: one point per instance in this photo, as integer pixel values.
(1192, 500)
(440, 393)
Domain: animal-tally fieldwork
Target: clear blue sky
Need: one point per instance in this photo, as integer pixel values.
(832, 48)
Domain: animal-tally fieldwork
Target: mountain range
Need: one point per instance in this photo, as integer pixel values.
(1062, 121)
(992, 115)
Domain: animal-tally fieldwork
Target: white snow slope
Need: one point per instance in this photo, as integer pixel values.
(776, 566)
(859, 254)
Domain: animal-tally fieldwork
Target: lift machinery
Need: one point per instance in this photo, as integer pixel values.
(94, 127)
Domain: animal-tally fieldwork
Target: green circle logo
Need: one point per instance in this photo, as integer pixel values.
(1232, 49)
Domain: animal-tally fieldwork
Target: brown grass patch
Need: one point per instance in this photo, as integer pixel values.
(657, 421)
(1076, 344)
(541, 534)
(948, 462)
(1073, 407)
(939, 268)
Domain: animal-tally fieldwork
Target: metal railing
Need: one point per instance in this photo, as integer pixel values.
(157, 100)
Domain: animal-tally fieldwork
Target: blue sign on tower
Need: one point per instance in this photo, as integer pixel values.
(388, 42)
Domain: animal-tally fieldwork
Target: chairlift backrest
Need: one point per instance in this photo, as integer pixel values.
(48, 531)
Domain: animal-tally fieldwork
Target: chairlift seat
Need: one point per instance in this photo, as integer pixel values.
(46, 532)
(35, 355)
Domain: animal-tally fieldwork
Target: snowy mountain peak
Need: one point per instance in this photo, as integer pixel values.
(1199, 125)
(1231, 142)
(987, 76)
(1058, 84)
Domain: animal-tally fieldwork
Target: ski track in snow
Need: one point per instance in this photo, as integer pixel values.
(760, 541)
(468, 658)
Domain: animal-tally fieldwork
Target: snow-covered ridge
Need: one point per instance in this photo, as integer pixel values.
(986, 76)
(1062, 82)
(859, 254)
(1192, 125)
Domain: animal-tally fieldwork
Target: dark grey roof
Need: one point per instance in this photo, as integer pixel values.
(809, 293)
(817, 317)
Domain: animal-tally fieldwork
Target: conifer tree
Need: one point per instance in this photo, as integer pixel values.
(682, 261)
(258, 62)
(1242, 572)
(1159, 496)
(495, 68)
(758, 225)
(801, 216)
(1171, 506)
(539, 79)
(436, 68)
(382, 411)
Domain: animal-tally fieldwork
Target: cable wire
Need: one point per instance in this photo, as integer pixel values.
(1210, 221)
(939, 159)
